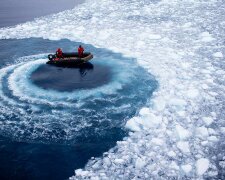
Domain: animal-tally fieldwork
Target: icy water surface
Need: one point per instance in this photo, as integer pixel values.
(54, 119)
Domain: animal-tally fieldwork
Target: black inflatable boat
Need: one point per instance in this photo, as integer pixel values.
(69, 59)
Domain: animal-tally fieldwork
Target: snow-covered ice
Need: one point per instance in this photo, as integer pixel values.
(186, 168)
(182, 44)
(182, 133)
(183, 146)
(218, 55)
(202, 165)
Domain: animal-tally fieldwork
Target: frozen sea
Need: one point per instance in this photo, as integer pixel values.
(159, 106)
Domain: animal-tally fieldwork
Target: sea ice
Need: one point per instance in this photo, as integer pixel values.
(140, 163)
(192, 93)
(171, 154)
(119, 161)
(182, 133)
(80, 172)
(207, 37)
(202, 132)
(186, 168)
(183, 146)
(174, 165)
(222, 164)
(147, 120)
(207, 120)
(157, 141)
(218, 55)
(202, 166)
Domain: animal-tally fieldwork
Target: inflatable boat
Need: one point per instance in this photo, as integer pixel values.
(69, 59)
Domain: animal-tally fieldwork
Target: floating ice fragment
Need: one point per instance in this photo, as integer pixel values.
(157, 141)
(202, 132)
(140, 163)
(192, 93)
(183, 146)
(159, 104)
(222, 129)
(211, 131)
(207, 120)
(202, 166)
(146, 120)
(204, 143)
(213, 138)
(144, 111)
(133, 124)
(119, 161)
(205, 34)
(177, 102)
(171, 154)
(218, 55)
(174, 165)
(222, 164)
(186, 168)
(182, 133)
(107, 161)
(187, 25)
(205, 86)
(80, 172)
(206, 37)
(150, 121)
(154, 36)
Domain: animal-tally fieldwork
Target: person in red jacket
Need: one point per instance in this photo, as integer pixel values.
(80, 51)
(59, 53)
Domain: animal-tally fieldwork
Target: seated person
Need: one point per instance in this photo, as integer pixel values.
(59, 53)
(80, 51)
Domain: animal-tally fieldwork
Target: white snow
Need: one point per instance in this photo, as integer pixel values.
(183, 146)
(213, 138)
(202, 166)
(192, 93)
(140, 163)
(157, 141)
(171, 154)
(222, 164)
(186, 168)
(182, 133)
(119, 161)
(206, 37)
(174, 165)
(202, 132)
(218, 55)
(80, 172)
(147, 120)
(207, 120)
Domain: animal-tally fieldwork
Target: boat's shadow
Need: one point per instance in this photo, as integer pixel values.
(83, 68)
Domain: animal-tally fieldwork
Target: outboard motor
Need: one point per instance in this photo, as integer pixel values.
(51, 57)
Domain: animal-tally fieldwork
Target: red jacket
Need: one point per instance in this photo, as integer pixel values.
(80, 50)
(59, 52)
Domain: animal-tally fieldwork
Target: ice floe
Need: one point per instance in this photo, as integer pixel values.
(202, 166)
